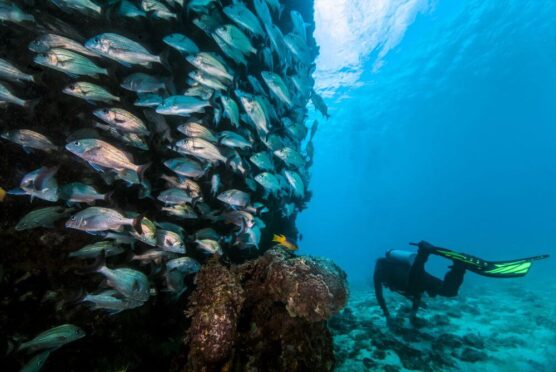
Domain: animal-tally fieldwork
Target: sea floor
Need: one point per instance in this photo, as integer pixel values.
(496, 327)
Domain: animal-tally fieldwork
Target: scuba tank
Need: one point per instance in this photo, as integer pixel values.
(401, 256)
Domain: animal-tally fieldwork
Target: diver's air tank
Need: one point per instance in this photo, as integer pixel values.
(399, 255)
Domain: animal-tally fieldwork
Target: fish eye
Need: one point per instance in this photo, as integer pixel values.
(73, 218)
(105, 110)
(76, 143)
(72, 87)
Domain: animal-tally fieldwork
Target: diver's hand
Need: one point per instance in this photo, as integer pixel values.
(426, 246)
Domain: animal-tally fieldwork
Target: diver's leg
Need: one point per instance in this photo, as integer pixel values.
(416, 282)
(452, 280)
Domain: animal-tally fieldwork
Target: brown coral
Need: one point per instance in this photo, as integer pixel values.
(268, 314)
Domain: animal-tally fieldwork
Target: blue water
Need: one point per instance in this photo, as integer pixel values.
(446, 133)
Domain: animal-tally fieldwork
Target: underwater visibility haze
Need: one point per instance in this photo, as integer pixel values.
(214, 185)
(441, 128)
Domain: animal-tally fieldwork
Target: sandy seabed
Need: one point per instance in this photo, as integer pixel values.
(507, 325)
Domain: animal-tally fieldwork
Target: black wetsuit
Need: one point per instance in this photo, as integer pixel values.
(412, 280)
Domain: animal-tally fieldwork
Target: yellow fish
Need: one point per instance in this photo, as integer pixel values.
(284, 242)
(2, 194)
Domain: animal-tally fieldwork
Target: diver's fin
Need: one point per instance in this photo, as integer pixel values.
(494, 269)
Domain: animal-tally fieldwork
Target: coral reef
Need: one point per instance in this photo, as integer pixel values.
(484, 329)
(268, 314)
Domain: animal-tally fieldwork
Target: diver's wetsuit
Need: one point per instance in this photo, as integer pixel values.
(412, 280)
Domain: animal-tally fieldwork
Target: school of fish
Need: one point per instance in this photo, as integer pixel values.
(206, 123)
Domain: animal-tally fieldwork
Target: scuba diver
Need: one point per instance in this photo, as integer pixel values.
(404, 272)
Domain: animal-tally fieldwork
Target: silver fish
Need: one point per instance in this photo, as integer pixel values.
(201, 149)
(129, 138)
(90, 92)
(53, 338)
(128, 9)
(185, 167)
(185, 265)
(29, 139)
(83, 6)
(7, 96)
(263, 161)
(243, 17)
(131, 283)
(10, 72)
(122, 120)
(182, 105)
(140, 82)
(269, 182)
(209, 64)
(147, 231)
(235, 198)
(299, 26)
(186, 184)
(235, 38)
(255, 112)
(290, 157)
(112, 301)
(103, 154)
(232, 139)
(277, 86)
(181, 43)
(121, 49)
(182, 211)
(295, 181)
(50, 41)
(196, 130)
(77, 192)
(101, 219)
(151, 256)
(11, 13)
(157, 9)
(43, 217)
(206, 80)
(148, 100)
(231, 110)
(70, 63)
(40, 183)
(170, 241)
(209, 246)
(107, 248)
(174, 196)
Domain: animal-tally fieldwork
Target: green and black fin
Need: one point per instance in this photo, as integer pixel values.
(495, 269)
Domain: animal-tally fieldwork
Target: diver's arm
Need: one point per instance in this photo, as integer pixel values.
(377, 278)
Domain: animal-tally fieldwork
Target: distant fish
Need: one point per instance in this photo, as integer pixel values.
(43, 217)
(10, 72)
(70, 63)
(53, 338)
(121, 49)
(7, 96)
(90, 92)
(283, 241)
(29, 139)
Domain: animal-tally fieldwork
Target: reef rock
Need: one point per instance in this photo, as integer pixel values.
(269, 314)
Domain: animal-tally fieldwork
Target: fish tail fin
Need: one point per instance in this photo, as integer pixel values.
(141, 170)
